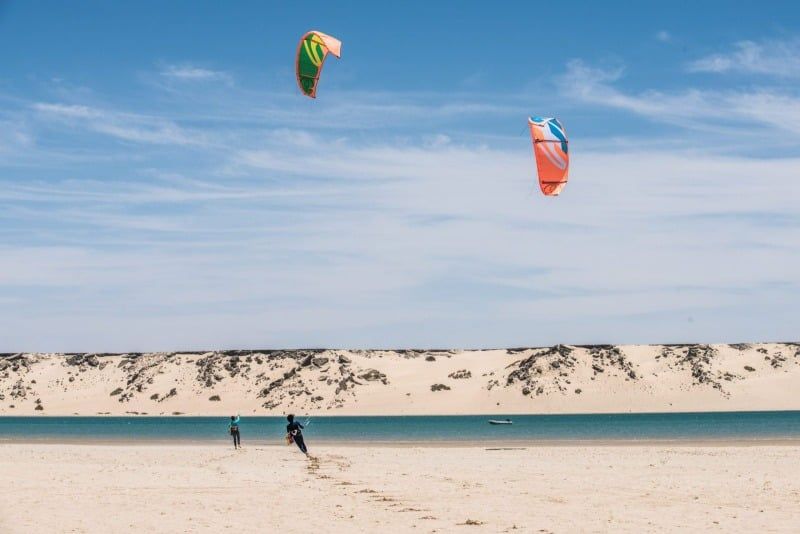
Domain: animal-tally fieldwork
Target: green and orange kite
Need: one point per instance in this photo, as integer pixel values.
(314, 47)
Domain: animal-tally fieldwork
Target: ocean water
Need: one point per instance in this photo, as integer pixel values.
(706, 426)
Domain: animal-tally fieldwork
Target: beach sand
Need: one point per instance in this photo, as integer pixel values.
(538, 488)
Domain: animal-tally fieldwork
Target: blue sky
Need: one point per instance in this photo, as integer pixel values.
(163, 185)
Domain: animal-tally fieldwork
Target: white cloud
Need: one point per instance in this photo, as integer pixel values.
(126, 126)
(13, 137)
(386, 238)
(773, 58)
(192, 73)
(663, 36)
(69, 111)
(713, 110)
(438, 140)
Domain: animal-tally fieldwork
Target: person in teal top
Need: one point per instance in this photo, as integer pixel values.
(234, 429)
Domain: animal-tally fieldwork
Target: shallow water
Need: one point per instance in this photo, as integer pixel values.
(705, 426)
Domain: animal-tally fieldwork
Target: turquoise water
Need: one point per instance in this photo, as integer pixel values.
(672, 426)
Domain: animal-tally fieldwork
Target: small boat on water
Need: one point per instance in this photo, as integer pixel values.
(501, 422)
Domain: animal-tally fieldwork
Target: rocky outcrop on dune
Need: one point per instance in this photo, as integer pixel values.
(700, 361)
(542, 371)
(550, 370)
(557, 378)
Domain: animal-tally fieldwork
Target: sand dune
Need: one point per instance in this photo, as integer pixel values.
(184, 488)
(560, 379)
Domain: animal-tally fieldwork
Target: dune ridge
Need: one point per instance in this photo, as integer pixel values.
(558, 379)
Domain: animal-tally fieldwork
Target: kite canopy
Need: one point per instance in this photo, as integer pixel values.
(550, 147)
(311, 53)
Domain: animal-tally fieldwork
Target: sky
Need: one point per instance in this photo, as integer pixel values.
(164, 185)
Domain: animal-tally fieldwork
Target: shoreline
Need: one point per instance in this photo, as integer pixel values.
(325, 414)
(641, 429)
(499, 444)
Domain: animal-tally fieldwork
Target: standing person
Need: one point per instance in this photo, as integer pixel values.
(295, 433)
(234, 429)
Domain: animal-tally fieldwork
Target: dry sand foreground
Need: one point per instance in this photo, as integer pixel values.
(560, 379)
(184, 488)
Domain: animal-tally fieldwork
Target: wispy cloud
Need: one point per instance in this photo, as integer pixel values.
(13, 136)
(779, 58)
(125, 126)
(663, 36)
(191, 73)
(442, 225)
(774, 108)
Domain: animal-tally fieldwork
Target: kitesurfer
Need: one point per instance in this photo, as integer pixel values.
(295, 433)
(234, 430)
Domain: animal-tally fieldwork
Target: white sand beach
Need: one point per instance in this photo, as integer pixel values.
(208, 488)
(560, 379)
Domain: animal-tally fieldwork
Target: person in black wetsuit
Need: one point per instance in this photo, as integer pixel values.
(294, 430)
(234, 429)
